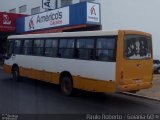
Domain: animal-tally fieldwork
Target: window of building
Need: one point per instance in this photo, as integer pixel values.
(17, 46)
(105, 49)
(38, 49)
(35, 10)
(85, 48)
(66, 48)
(12, 10)
(65, 3)
(51, 48)
(27, 47)
(23, 9)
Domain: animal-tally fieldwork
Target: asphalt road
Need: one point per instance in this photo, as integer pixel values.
(35, 97)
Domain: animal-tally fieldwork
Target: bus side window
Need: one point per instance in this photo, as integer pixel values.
(27, 47)
(38, 48)
(76, 53)
(66, 48)
(85, 48)
(51, 47)
(10, 47)
(17, 46)
(105, 49)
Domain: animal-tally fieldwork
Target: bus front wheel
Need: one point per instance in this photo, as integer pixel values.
(66, 85)
(15, 73)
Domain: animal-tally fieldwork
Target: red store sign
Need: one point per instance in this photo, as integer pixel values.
(8, 21)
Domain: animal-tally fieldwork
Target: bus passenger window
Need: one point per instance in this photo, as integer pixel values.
(105, 49)
(17, 46)
(10, 47)
(76, 53)
(51, 48)
(85, 48)
(38, 47)
(66, 48)
(27, 48)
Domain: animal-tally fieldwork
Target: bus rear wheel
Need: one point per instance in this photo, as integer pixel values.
(67, 85)
(15, 73)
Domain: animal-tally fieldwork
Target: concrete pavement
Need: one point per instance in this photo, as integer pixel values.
(153, 92)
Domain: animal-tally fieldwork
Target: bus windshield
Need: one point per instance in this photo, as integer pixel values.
(137, 47)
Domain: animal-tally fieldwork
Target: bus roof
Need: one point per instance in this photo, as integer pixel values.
(66, 34)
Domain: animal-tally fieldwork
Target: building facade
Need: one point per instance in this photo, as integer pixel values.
(115, 14)
(7, 27)
(29, 7)
(83, 16)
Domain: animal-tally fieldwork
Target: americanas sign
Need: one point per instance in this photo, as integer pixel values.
(93, 12)
(48, 19)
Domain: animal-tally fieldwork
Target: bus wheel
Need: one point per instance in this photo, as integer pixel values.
(66, 85)
(15, 73)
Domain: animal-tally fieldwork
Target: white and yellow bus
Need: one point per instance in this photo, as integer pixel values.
(98, 61)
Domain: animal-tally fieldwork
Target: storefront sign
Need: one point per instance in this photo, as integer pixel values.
(8, 21)
(93, 12)
(83, 13)
(48, 19)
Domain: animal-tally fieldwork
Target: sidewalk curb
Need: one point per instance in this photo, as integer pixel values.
(141, 96)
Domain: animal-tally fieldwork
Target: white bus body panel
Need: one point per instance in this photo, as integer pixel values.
(89, 69)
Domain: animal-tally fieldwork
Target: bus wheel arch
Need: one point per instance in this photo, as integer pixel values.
(15, 72)
(66, 83)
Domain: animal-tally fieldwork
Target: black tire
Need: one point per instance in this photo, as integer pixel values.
(66, 85)
(15, 73)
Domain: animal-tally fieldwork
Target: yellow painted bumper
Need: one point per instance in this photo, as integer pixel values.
(134, 87)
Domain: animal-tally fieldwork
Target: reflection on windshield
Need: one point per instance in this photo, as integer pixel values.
(137, 47)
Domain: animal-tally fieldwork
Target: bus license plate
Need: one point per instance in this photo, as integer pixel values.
(138, 81)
